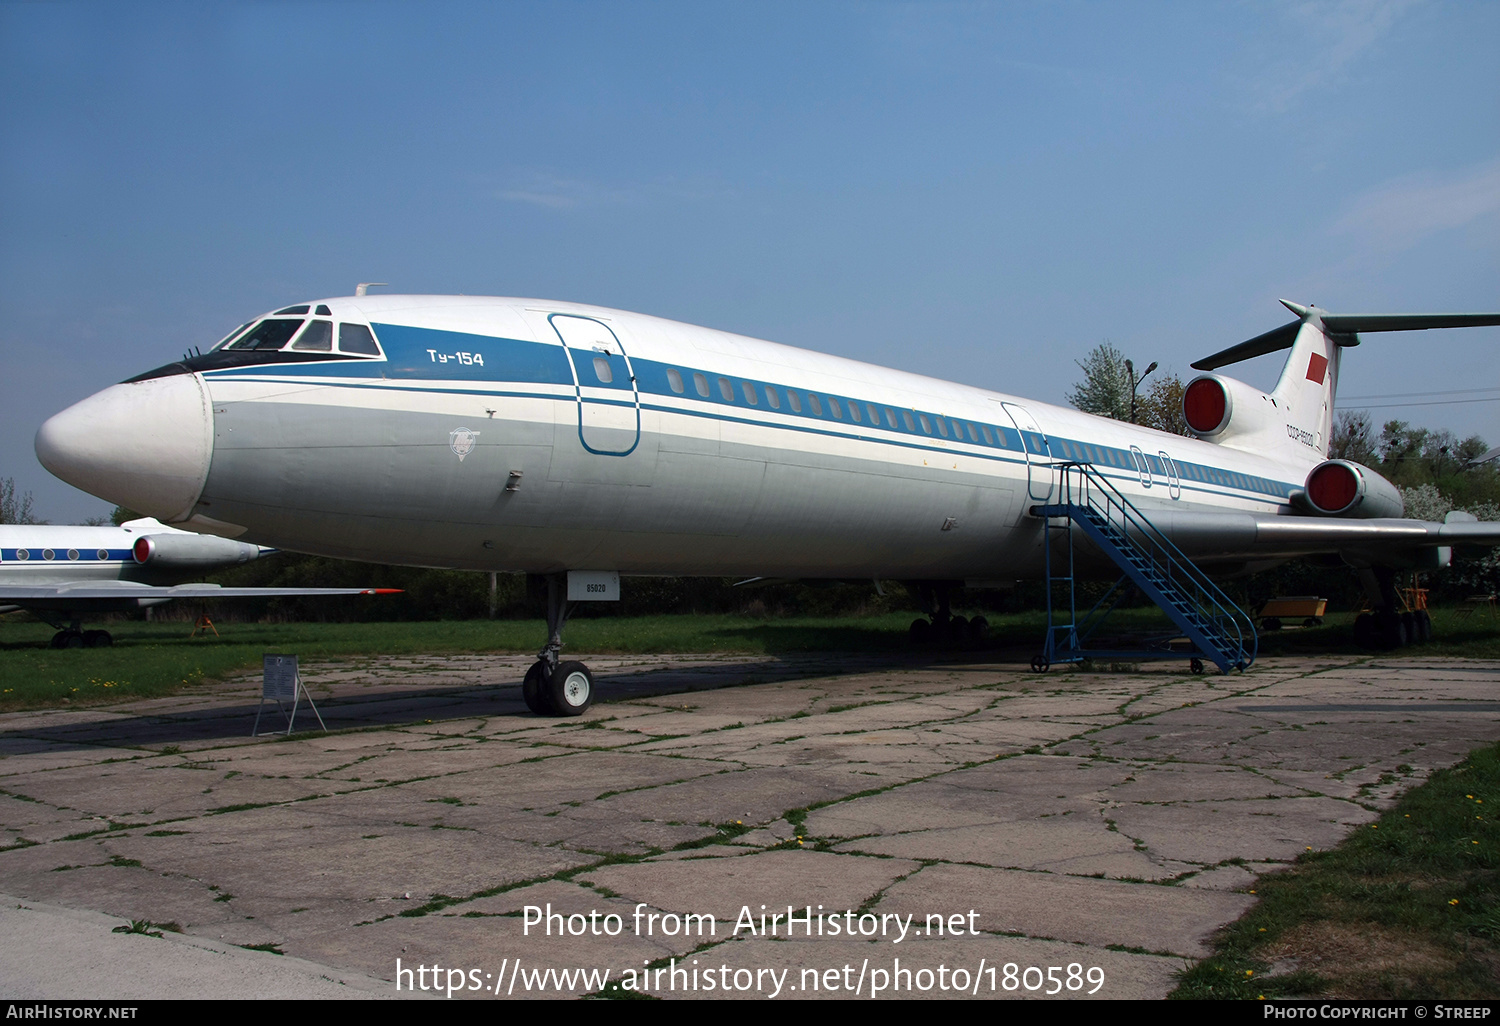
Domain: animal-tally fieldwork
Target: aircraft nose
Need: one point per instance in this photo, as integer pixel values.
(144, 445)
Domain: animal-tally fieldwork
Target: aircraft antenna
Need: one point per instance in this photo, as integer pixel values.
(364, 287)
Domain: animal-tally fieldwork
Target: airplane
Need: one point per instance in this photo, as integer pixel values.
(581, 443)
(62, 574)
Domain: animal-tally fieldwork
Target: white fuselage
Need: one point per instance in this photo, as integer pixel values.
(511, 434)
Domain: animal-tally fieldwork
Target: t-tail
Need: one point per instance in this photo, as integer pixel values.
(1294, 421)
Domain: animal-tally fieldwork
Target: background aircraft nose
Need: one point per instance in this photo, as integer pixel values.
(144, 445)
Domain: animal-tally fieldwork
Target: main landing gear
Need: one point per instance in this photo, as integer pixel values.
(553, 687)
(72, 636)
(1388, 626)
(934, 598)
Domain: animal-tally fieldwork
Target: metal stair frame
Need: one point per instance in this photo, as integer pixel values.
(1217, 628)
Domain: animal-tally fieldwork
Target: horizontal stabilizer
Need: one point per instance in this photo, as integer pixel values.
(1347, 325)
(1272, 341)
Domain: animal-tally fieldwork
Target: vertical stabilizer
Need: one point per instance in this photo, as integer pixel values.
(1305, 392)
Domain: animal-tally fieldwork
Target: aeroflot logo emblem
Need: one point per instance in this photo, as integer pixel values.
(461, 441)
(1317, 367)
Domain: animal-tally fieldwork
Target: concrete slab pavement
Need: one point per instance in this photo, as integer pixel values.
(1106, 821)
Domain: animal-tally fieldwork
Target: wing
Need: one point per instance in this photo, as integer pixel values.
(1210, 536)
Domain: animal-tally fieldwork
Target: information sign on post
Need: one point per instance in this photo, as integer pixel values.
(282, 683)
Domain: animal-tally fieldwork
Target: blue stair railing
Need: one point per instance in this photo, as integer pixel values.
(1216, 628)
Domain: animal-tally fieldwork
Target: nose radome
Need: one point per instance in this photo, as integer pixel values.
(144, 445)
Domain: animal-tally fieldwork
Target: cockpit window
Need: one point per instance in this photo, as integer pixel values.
(318, 337)
(271, 333)
(323, 311)
(356, 338)
(292, 310)
(232, 335)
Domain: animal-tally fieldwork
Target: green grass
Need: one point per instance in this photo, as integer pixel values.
(149, 659)
(153, 659)
(1406, 908)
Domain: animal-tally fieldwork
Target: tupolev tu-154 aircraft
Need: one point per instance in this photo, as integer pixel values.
(583, 443)
(63, 574)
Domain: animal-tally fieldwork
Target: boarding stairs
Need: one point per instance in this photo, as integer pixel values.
(1210, 623)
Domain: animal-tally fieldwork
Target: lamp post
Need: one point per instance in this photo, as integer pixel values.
(1135, 381)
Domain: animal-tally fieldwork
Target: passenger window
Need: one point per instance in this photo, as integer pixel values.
(675, 380)
(794, 401)
(701, 384)
(989, 439)
(835, 409)
(749, 391)
(726, 390)
(323, 311)
(268, 334)
(906, 416)
(926, 425)
(890, 417)
(773, 398)
(356, 338)
(814, 405)
(854, 412)
(317, 336)
(942, 427)
(874, 414)
(602, 371)
(973, 435)
(102, 553)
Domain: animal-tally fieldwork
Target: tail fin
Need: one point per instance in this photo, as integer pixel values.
(1309, 380)
(1304, 395)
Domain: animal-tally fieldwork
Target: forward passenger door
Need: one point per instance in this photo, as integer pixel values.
(609, 401)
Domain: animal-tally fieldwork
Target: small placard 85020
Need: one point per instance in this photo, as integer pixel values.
(593, 586)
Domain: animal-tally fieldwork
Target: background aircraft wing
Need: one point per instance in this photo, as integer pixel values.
(125, 589)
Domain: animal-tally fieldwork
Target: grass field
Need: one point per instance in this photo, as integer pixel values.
(151, 659)
(1408, 907)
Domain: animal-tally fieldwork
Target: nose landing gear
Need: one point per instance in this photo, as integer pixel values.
(553, 687)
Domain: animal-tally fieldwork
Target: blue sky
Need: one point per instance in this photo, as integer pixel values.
(981, 192)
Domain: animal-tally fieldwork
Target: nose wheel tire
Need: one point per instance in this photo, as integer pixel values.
(571, 689)
(1040, 664)
(1195, 665)
(533, 689)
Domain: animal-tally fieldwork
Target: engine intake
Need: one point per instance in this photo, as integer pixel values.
(1341, 488)
(1220, 409)
(1206, 405)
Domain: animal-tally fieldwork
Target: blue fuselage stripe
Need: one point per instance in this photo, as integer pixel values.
(504, 367)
